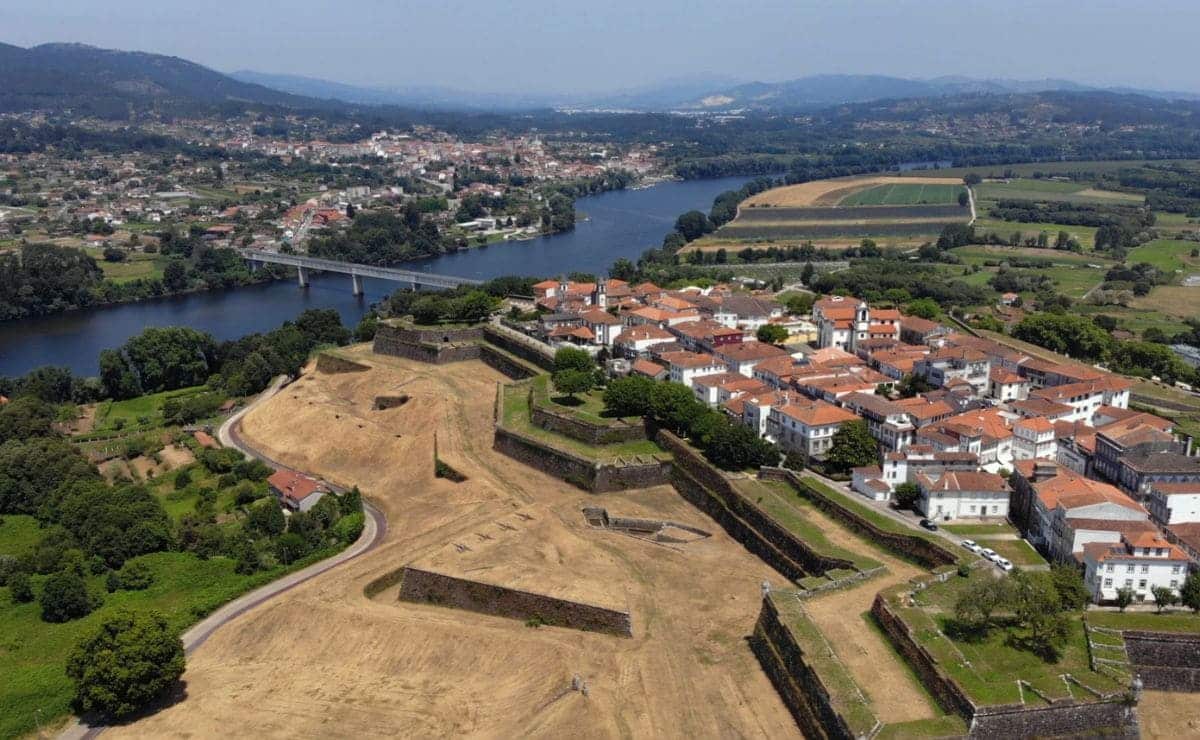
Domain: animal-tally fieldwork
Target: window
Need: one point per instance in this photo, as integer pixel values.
(1128, 583)
(1145, 568)
(1109, 568)
(1174, 583)
(1142, 583)
(1107, 582)
(1129, 568)
(1174, 570)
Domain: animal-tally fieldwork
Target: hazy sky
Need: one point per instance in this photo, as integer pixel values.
(561, 45)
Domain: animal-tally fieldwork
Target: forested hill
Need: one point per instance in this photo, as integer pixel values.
(89, 79)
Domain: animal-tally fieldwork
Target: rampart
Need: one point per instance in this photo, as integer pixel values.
(527, 349)
(800, 687)
(570, 425)
(710, 491)
(436, 346)
(426, 587)
(511, 366)
(603, 476)
(924, 551)
(1165, 661)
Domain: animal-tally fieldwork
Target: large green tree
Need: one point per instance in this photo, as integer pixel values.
(853, 446)
(129, 660)
(1077, 336)
(629, 396)
(65, 597)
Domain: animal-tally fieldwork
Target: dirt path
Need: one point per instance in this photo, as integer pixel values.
(882, 675)
(1168, 714)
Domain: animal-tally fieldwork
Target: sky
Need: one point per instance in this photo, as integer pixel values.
(557, 46)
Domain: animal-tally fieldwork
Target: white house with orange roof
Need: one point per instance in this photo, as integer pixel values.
(1139, 563)
(806, 426)
(1174, 503)
(1034, 438)
(1004, 385)
(963, 494)
(685, 367)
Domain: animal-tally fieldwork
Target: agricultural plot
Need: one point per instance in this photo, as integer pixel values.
(1054, 191)
(905, 194)
(849, 210)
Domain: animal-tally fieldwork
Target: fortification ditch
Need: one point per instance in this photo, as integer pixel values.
(426, 587)
(708, 489)
(332, 364)
(653, 529)
(505, 363)
(919, 549)
(1165, 661)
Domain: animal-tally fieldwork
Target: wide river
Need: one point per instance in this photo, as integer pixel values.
(621, 223)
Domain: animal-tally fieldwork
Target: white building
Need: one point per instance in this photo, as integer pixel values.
(959, 495)
(1174, 503)
(1138, 563)
(685, 367)
(806, 427)
(1034, 439)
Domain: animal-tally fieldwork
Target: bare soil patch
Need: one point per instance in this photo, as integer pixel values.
(323, 659)
(1168, 714)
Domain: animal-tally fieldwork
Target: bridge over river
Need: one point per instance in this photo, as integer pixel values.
(357, 272)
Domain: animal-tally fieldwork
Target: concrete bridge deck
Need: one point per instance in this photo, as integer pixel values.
(356, 271)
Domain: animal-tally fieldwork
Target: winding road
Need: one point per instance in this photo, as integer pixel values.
(374, 530)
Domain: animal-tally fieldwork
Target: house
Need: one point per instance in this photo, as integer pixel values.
(869, 482)
(888, 422)
(635, 341)
(948, 364)
(1005, 385)
(1009, 299)
(917, 459)
(603, 325)
(958, 495)
(915, 330)
(1174, 503)
(754, 409)
(1139, 563)
(705, 335)
(686, 366)
(1034, 438)
(294, 491)
(1133, 453)
(742, 357)
(649, 369)
(748, 312)
(806, 426)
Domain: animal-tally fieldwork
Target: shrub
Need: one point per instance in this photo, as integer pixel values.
(133, 576)
(19, 587)
(65, 597)
(183, 479)
(349, 527)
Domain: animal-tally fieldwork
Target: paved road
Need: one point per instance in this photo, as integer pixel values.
(374, 529)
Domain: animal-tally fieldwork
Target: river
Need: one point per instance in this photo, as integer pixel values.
(622, 223)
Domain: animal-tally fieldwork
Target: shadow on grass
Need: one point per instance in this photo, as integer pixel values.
(176, 693)
(570, 401)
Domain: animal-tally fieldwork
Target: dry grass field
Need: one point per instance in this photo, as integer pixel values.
(831, 192)
(326, 660)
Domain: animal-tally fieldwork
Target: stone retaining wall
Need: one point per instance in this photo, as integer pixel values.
(718, 498)
(436, 347)
(330, 363)
(423, 586)
(498, 360)
(923, 551)
(590, 475)
(527, 349)
(566, 423)
(798, 685)
(1165, 661)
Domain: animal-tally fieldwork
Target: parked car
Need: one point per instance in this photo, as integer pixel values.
(970, 545)
(989, 553)
(928, 524)
(1005, 564)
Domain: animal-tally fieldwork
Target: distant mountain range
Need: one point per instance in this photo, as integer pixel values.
(92, 80)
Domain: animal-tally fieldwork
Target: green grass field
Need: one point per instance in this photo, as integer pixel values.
(1052, 190)
(987, 666)
(1167, 255)
(1173, 620)
(136, 265)
(18, 534)
(982, 530)
(1019, 552)
(143, 411)
(33, 653)
(904, 195)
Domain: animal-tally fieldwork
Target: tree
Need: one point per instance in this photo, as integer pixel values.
(675, 406)
(963, 199)
(1077, 336)
(806, 273)
(572, 382)
(693, 225)
(267, 518)
(1068, 582)
(1189, 594)
(622, 269)
(771, 334)
(19, 587)
(290, 547)
(853, 446)
(925, 308)
(65, 597)
(1164, 596)
(972, 178)
(128, 661)
(800, 304)
(24, 418)
(980, 599)
(629, 396)
(1124, 597)
(183, 479)
(733, 446)
(911, 385)
(573, 358)
(906, 495)
(175, 276)
(1038, 607)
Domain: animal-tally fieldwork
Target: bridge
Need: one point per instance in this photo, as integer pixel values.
(357, 272)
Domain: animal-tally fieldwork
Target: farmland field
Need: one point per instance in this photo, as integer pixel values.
(829, 192)
(904, 194)
(1167, 255)
(1086, 235)
(832, 229)
(1052, 190)
(854, 213)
